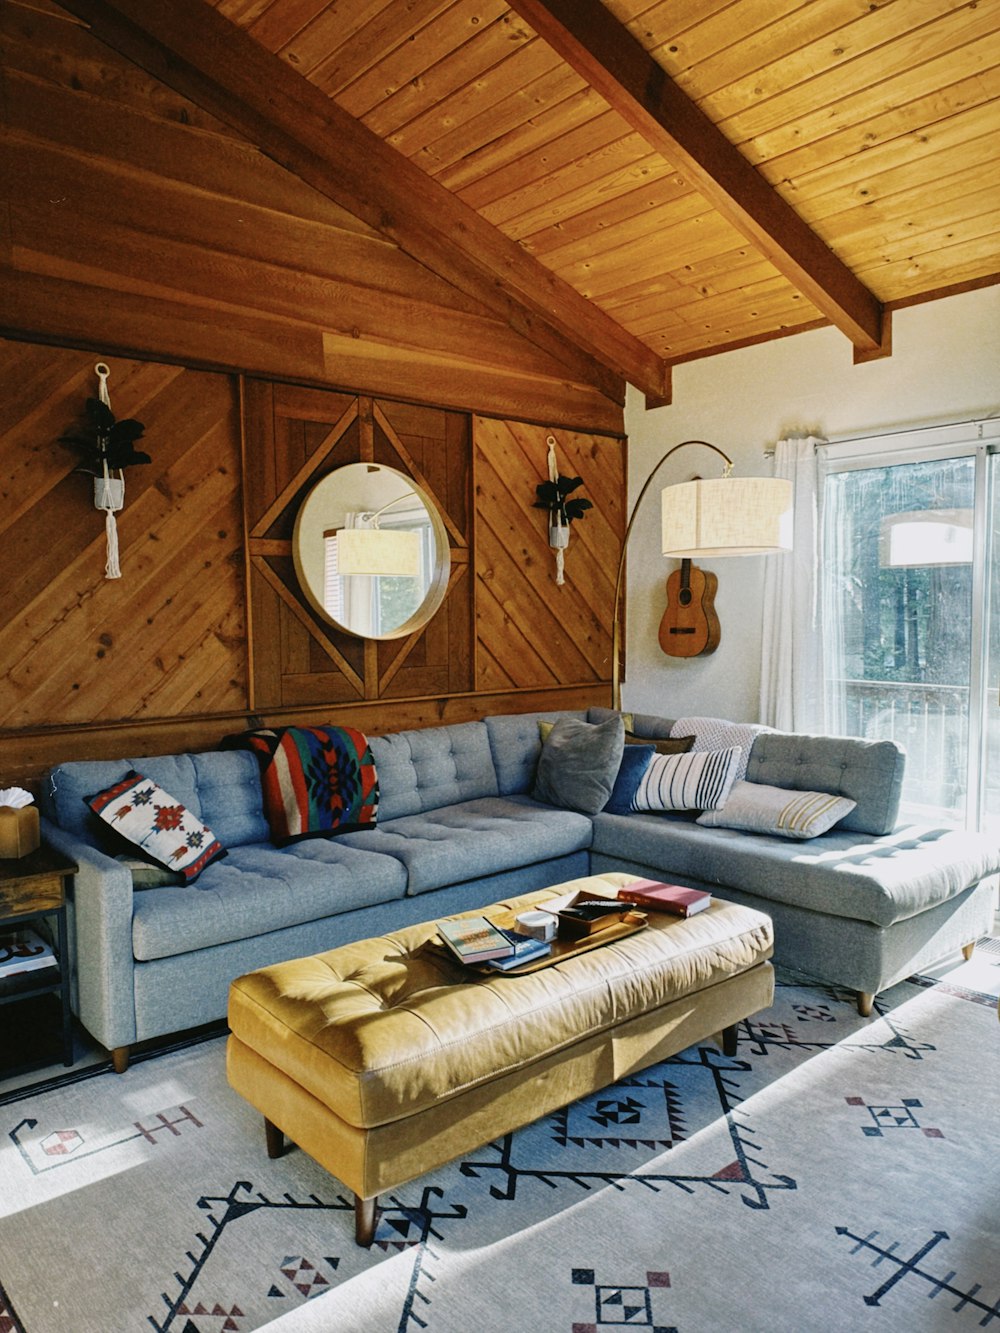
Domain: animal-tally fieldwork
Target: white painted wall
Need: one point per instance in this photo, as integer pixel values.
(945, 367)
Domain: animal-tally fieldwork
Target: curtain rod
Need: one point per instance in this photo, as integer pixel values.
(978, 422)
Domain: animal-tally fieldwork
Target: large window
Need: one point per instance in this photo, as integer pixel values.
(910, 578)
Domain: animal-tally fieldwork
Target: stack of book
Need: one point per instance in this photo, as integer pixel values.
(475, 939)
(656, 896)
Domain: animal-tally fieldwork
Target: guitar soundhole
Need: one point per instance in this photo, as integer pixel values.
(684, 597)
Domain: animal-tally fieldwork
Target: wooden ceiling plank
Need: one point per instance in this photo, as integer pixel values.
(769, 39)
(610, 231)
(192, 49)
(862, 121)
(581, 107)
(700, 237)
(748, 35)
(394, 26)
(917, 161)
(594, 135)
(611, 60)
(415, 61)
(601, 190)
(322, 36)
(275, 24)
(631, 208)
(499, 101)
(944, 177)
(451, 72)
(864, 86)
(611, 162)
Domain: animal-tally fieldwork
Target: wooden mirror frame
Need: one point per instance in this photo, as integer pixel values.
(317, 501)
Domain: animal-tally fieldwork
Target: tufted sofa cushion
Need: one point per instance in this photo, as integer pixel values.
(258, 889)
(475, 839)
(422, 770)
(868, 772)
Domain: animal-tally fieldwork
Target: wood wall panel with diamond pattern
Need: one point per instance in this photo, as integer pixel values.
(294, 438)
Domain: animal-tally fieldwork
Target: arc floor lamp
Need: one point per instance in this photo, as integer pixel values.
(720, 516)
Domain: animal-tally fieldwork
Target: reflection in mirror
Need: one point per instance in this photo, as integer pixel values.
(371, 552)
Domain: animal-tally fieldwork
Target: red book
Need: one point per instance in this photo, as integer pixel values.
(660, 897)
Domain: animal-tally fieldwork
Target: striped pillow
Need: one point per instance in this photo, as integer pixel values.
(698, 781)
(758, 808)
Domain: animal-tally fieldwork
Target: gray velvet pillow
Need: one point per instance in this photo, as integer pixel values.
(579, 763)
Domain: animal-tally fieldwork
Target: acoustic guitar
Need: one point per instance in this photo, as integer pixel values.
(690, 626)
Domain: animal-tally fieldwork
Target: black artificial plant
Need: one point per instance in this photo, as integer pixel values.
(103, 441)
(552, 496)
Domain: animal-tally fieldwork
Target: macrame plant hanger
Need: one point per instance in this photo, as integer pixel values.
(558, 531)
(109, 489)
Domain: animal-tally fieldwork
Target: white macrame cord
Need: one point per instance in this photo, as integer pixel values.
(104, 497)
(558, 535)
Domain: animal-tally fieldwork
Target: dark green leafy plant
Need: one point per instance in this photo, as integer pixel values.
(103, 441)
(552, 496)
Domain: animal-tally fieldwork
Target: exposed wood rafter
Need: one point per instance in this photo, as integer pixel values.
(590, 39)
(193, 49)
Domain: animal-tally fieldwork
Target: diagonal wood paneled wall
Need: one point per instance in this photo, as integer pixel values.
(168, 638)
(530, 631)
(207, 628)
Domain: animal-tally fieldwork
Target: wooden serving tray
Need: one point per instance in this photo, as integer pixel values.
(563, 949)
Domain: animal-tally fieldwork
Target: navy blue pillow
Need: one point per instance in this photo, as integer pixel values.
(635, 761)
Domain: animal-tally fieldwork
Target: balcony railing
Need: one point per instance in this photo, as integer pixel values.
(931, 722)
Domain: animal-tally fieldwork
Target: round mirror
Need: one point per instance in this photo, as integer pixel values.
(371, 552)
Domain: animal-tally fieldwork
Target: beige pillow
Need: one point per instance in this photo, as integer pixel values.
(755, 807)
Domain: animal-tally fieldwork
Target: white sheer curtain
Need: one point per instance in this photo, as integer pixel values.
(791, 676)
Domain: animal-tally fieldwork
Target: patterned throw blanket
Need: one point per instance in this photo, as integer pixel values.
(317, 781)
(716, 733)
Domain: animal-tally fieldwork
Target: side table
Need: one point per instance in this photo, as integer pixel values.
(34, 887)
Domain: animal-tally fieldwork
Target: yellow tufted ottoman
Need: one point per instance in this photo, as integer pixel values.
(385, 1059)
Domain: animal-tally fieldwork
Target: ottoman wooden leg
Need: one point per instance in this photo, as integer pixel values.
(364, 1220)
(730, 1039)
(275, 1139)
(865, 1001)
(967, 950)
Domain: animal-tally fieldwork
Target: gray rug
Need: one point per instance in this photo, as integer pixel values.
(837, 1174)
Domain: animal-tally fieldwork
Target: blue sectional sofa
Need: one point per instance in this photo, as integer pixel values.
(860, 906)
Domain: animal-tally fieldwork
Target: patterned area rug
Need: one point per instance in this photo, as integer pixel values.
(838, 1173)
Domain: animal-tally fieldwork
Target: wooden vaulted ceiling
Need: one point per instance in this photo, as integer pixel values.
(644, 183)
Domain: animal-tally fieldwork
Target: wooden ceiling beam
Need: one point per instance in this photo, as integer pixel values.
(193, 49)
(604, 52)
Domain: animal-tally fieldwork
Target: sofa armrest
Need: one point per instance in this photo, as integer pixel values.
(100, 920)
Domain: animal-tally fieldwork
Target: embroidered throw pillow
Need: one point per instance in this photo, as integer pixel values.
(153, 820)
(695, 781)
(755, 807)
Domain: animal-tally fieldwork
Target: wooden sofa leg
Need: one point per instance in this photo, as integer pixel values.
(865, 1001)
(967, 950)
(119, 1059)
(275, 1139)
(365, 1212)
(730, 1039)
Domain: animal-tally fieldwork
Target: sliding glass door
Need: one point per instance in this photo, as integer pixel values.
(911, 627)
